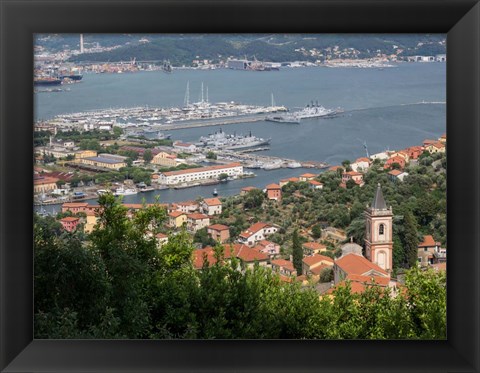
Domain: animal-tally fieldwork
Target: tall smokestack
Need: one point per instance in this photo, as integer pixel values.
(81, 43)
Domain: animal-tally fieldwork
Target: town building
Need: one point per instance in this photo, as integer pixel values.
(70, 223)
(283, 267)
(315, 264)
(44, 184)
(379, 235)
(360, 165)
(430, 252)
(314, 184)
(165, 159)
(436, 147)
(307, 177)
(255, 233)
(270, 248)
(79, 154)
(197, 221)
(247, 256)
(310, 248)
(274, 192)
(397, 175)
(187, 207)
(92, 220)
(219, 232)
(176, 219)
(211, 206)
(357, 177)
(75, 207)
(289, 180)
(245, 190)
(161, 239)
(184, 147)
(199, 174)
(103, 162)
(355, 264)
(395, 160)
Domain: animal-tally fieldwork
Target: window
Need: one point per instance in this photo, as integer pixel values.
(381, 229)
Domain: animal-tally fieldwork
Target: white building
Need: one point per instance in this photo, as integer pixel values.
(257, 232)
(212, 206)
(361, 164)
(202, 173)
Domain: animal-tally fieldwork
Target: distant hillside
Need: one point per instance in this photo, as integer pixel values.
(183, 49)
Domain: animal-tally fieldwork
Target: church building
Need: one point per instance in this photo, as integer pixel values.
(378, 235)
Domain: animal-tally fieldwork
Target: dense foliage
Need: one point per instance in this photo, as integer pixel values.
(119, 284)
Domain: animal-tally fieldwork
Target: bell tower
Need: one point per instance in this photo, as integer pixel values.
(378, 235)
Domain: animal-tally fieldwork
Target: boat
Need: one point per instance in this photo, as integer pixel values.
(146, 189)
(166, 66)
(294, 165)
(101, 192)
(283, 118)
(222, 140)
(72, 76)
(47, 81)
(272, 166)
(316, 111)
(215, 192)
(125, 192)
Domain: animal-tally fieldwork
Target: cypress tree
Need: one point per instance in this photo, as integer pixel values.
(410, 240)
(297, 252)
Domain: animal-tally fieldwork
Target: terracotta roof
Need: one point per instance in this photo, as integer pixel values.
(273, 186)
(283, 263)
(318, 270)
(249, 188)
(428, 241)
(358, 265)
(44, 180)
(176, 214)
(161, 235)
(253, 229)
(316, 258)
(266, 243)
(187, 203)
(335, 168)
(438, 145)
(314, 246)
(69, 218)
(308, 175)
(243, 252)
(218, 227)
(212, 201)
(197, 216)
(74, 204)
(353, 173)
(201, 169)
(362, 159)
(315, 182)
(395, 172)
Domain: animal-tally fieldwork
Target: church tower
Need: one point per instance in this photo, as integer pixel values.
(378, 235)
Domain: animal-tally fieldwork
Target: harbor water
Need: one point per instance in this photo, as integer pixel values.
(391, 108)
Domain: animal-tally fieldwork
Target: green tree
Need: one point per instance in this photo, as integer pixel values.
(317, 231)
(211, 155)
(297, 252)
(410, 240)
(253, 199)
(204, 238)
(147, 156)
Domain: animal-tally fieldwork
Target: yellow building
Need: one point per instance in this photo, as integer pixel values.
(44, 184)
(91, 222)
(176, 219)
(436, 147)
(85, 154)
(165, 159)
(103, 162)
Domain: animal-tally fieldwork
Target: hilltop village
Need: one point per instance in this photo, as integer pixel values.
(364, 221)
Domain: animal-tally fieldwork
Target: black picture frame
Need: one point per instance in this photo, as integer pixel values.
(20, 19)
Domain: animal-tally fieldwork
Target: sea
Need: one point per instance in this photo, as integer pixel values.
(384, 109)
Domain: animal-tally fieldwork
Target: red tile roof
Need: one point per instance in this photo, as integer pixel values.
(70, 218)
(362, 159)
(314, 246)
(315, 182)
(161, 235)
(249, 188)
(316, 258)
(243, 252)
(176, 214)
(283, 263)
(273, 186)
(218, 227)
(358, 265)
(74, 204)
(197, 216)
(212, 201)
(308, 175)
(44, 180)
(253, 229)
(395, 172)
(428, 241)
